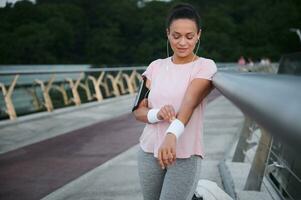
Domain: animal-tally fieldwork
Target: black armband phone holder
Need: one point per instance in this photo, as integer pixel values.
(142, 93)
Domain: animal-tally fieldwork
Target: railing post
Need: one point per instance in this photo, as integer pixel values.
(7, 98)
(106, 87)
(114, 82)
(119, 82)
(45, 89)
(87, 89)
(96, 84)
(74, 86)
(62, 90)
(257, 170)
(133, 76)
(129, 83)
(243, 145)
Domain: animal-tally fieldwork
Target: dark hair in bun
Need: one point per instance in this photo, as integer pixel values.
(183, 11)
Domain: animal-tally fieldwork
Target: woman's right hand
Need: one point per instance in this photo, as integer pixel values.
(167, 113)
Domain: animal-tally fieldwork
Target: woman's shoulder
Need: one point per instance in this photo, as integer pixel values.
(205, 64)
(152, 68)
(158, 62)
(155, 65)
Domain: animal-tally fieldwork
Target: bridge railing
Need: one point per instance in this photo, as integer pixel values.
(96, 84)
(45, 88)
(271, 103)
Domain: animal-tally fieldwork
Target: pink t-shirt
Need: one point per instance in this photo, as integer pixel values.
(169, 83)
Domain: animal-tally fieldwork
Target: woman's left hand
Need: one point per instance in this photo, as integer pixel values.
(167, 151)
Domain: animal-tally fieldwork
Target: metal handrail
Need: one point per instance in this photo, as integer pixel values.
(29, 72)
(13, 71)
(273, 101)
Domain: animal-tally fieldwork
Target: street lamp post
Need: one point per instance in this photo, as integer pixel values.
(297, 31)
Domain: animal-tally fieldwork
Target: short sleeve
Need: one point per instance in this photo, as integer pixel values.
(205, 70)
(148, 73)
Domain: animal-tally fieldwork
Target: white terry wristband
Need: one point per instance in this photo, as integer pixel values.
(176, 127)
(152, 116)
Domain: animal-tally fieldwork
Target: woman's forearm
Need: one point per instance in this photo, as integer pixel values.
(185, 113)
(141, 114)
(195, 94)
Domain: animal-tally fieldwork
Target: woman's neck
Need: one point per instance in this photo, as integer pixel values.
(183, 60)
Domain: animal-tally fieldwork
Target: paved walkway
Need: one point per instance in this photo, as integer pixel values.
(47, 134)
(118, 179)
(45, 151)
(41, 126)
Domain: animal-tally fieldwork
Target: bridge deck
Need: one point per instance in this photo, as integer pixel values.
(50, 154)
(118, 178)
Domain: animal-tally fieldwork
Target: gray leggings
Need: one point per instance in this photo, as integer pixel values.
(178, 182)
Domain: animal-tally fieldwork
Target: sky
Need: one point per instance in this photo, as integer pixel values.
(3, 2)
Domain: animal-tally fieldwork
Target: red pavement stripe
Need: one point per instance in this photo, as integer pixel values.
(36, 170)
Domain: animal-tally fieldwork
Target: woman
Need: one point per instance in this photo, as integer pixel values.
(171, 142)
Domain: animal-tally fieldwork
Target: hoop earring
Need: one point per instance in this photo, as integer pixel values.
(167, 48)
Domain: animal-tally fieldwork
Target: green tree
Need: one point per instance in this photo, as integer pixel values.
(120, 32)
